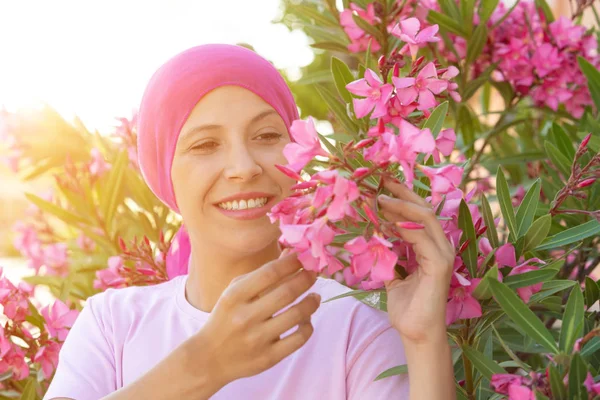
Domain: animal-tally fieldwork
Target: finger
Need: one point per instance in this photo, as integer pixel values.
(401, 191)
(419, 238)
(293, 316)
(413, 212)
(283, 294)
(266, 276)
(289, 344)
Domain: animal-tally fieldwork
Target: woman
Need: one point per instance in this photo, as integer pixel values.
(245, 322)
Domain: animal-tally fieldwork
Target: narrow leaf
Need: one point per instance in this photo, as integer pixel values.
(592, 292)
(465, 223)
(487, 367)
(591, 347)
(526, 210)
(559, 391)
(342, 76)
(571, 235)
(559, 160)
(577, 374)
(476, 43)
(486, 9)
(488, 218)
(55, 210)
(506, 205)
(110, 201)
(483, 291)
(537, 233)
(399, 370)
(520, 313)
(572, 318)
(530, 278)
(446, 22)
(593, 77)
(435, 122)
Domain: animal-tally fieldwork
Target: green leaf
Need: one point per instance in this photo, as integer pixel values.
(487, 367)
(399, 370)
(520, 313)
(320, 18)
(591, 347)
(476, 43)
(338, 109)
(492, 162)
(353, 293)
(30, 390)
(571, 235)
(486, 9)
(593, 78)
(577, 374)
(55, 210)
(465, 223)
(483, 291)
(473, 85)
(110, 201)
(449, 7)
(571, 320)
(446, 23)
(368, 28)
(529, 278)
(562, 141)
(435, 122)
(526, 210)
(546, 10)
(342, 76)
(537, 232)
(488, 218)
(552, 287)
(592, 292)
(464, 125)
(559, 391)
(330, 46)
(467, 8)
(506, 205)
(559, 160)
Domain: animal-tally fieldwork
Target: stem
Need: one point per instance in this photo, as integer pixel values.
(467, 364)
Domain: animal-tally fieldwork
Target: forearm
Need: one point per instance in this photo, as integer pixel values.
(430, 370)
(175, 377)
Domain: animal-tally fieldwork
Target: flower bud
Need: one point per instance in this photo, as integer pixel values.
(585, 183)
(381, 61)
(464, 246)
(360, 173)
(409, 225)
(396, 70)
(364, 143)
(584, 143)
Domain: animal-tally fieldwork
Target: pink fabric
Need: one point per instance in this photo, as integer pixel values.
(123, 333)
(173, 91)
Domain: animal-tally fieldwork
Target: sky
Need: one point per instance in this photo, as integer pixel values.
(92, 59)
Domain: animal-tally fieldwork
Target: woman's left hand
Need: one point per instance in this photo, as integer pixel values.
(417, 305)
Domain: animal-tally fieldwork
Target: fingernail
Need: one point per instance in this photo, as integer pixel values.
(384, 197)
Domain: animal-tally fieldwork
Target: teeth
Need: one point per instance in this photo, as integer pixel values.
(244, 204)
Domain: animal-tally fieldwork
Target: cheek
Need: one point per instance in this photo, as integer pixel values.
(191, 180)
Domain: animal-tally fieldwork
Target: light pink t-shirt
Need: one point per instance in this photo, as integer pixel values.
(123, 333)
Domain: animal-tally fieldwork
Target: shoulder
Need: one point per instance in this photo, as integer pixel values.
(133, 300)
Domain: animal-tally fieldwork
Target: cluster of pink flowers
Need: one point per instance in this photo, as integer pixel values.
(42, 347)
(409, 32)
(540, 59)
(148, 268)
(126, 132)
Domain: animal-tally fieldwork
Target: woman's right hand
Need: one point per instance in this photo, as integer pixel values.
(242, 337)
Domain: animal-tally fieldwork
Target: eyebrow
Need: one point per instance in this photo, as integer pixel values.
(200, 128)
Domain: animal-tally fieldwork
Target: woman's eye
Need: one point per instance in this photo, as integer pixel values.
(269, 136)
(205, 146)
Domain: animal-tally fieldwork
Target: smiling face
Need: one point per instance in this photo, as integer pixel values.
(224, 161)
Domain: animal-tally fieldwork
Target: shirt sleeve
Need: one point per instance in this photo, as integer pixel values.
(86, 361)
(382, 351)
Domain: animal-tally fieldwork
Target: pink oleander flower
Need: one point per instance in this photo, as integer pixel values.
(525, 293)
(56, 259)
(443, 180)
(516, 392)
(376, 95)
(310, 240)
(398, 112)
(110, 277)
(306, 146)
(421, 89)
(444, 144)
(85, 243)
(59, 319)
(345, 192)
(408, 144)
(14, 360)
(97, 166)
(15, 299)
(5, 343)
(359, 38)
(410, 32)
(47, 356)
(546, 59)
(565, 33)
(589, 384)
(501, 382)
(373, 256)
(462, 304)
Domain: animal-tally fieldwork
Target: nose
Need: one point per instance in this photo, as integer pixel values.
(242, 165)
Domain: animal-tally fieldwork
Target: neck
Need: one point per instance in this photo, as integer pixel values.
(212, 268)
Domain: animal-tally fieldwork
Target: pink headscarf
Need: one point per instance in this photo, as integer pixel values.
(173, 91)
